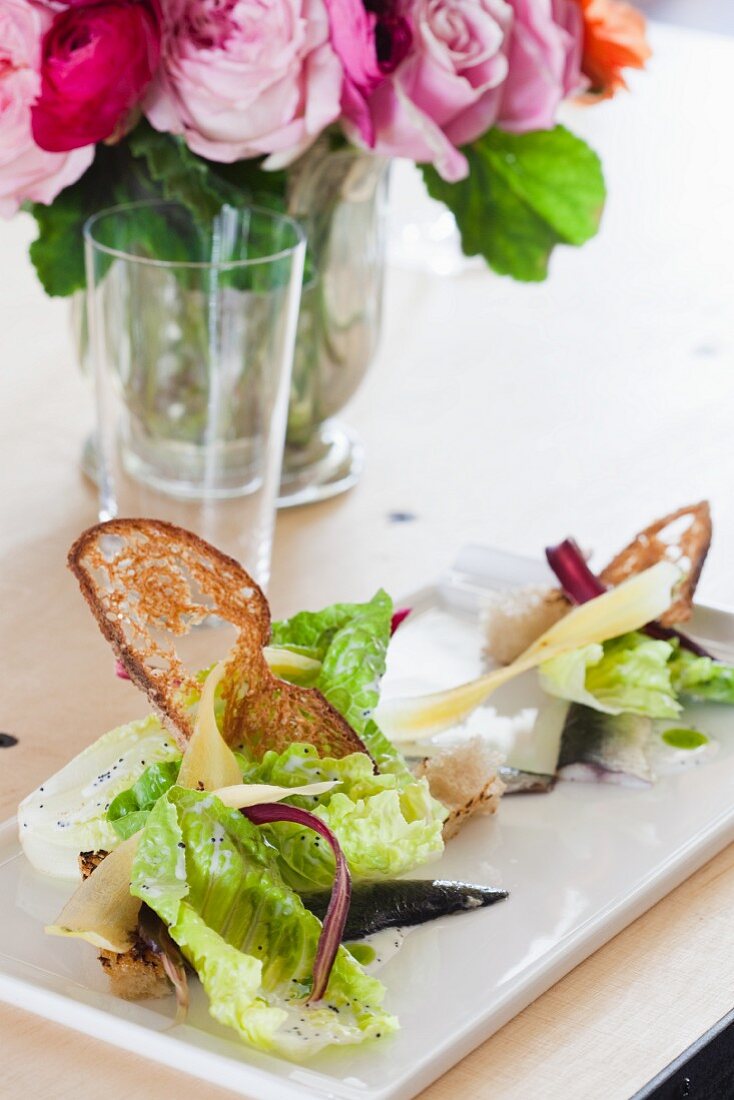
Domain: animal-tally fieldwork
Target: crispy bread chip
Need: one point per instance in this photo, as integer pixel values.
(466, 779)
(682, 537)
(146, 581)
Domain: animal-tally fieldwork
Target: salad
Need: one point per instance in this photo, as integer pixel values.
(254, 828)
(234, 831)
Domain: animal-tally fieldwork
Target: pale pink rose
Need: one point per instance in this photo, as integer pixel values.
(241, 78)
(545, 63)
(468, 65)
(27, 173)
(448, 89)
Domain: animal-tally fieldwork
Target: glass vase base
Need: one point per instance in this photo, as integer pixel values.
(329, 464)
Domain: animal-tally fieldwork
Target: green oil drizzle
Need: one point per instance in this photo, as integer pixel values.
(685, 739)
(362, 952)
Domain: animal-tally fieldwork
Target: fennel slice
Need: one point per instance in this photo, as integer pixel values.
(241, 795)
(629, 606)
(292, 666)
(102, 910)
(208, 762)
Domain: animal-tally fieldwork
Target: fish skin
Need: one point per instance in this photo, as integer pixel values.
(518, 781)
(605, 748)
(403, 902)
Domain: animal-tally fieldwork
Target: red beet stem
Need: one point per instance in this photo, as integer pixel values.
(341, 891)
(580, 585)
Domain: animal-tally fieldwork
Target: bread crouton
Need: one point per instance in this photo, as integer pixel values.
(465, 779)
(135, 974)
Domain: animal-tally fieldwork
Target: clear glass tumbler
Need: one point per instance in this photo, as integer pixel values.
(192, 323)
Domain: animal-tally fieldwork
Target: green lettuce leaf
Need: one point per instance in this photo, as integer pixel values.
(350, 640)
(386, 825)
(702, 678)
(129, 810)
(524, 194)
(627, 674)
(212, 877)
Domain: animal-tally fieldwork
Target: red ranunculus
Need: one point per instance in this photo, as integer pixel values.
(97, 60)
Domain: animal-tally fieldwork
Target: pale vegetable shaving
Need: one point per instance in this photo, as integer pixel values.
(208, 762)
(627, 607)
(295, 667)
(102, 910)
(242, 795)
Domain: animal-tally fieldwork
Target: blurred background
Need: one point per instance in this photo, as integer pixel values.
(706, 15)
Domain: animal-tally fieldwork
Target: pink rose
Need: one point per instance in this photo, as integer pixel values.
(545, 63)
(469, 65)
(241, 78)
(448, 90)
(27, 173)
(441, 85)
(97, 60)
(370, 45)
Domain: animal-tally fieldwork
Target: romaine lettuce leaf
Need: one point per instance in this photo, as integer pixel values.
(627, 674)
(385, 825)
(702, 678)
(211, 875)
(350, 640)
(128, 812)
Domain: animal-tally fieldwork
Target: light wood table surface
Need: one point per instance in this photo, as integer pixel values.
(496, 413)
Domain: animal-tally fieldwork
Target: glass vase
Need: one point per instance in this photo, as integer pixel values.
(341, 200)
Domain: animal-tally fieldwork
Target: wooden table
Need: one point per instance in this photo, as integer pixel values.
(498, 413)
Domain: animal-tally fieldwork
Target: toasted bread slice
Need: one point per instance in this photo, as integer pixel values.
(135, 974)
(682, 537)
(466, 779)
(148, 582)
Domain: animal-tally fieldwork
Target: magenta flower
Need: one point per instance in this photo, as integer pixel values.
(97, 60)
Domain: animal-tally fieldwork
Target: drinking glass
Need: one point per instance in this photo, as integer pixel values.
(192, 323)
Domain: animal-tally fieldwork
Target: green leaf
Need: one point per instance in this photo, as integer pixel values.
(386, 825)
(58, 252)
(200, 185)
(146, 165)
(128, 811)
(525, 194)
(209, 873)
(702, 678)
(627, 674)
(350, 640)
(182, 176)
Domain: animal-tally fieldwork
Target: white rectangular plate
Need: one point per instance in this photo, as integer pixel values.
(580, 863)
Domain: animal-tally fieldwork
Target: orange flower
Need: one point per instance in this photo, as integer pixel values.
(614, 39)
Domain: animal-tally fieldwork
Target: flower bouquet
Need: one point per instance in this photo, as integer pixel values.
(298, 105)
(216, 101)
